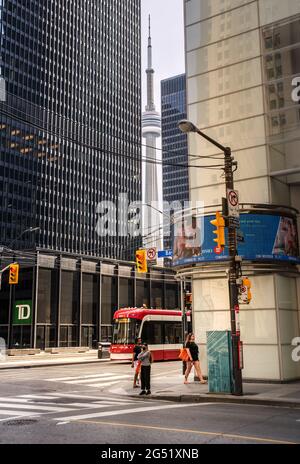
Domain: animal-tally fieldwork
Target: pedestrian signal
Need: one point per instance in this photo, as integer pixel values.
(219, 223)
(247, 285)
(14, 274)
(245, 295)
(141, 261)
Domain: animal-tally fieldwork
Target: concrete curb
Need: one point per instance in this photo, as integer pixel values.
(56, 363)
(224, 399)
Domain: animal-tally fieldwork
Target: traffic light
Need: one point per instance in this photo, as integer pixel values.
(188, 300)
(141, 261)
(219, 223)
(14, 274)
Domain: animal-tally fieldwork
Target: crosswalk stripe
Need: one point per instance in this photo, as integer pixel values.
(34, 406)
(15, 400)
(63, 379)
(121, 412)
(104, 384)
(92, 405)
(100, 399)
(90, 381)
(16, 414)
(37, 397)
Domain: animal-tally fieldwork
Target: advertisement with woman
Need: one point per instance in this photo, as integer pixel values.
(261, 237)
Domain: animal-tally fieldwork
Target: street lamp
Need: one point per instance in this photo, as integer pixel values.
(31, 229)
(234, 268)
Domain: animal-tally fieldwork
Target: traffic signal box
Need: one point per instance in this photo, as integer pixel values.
(219, 223)
(188, 300)
(247, 286)
(141, 261)
(14, 274)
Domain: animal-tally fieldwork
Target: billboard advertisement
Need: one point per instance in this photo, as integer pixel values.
(261, 237)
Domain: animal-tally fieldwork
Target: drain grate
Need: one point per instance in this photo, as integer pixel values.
(19, 422)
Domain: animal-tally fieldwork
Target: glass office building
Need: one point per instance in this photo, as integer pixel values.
(174, 142)
(70, 301)
(243, 60)
(70, 125)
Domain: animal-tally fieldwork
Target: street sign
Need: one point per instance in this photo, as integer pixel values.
(165, 254)
(152, 254)
(233, 203)
(218, 250)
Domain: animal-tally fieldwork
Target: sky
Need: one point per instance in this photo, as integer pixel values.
(167, 32)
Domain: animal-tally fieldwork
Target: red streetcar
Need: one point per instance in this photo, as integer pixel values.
(161, 329)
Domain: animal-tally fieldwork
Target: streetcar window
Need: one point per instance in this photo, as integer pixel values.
(173, 333)
(125, 331)
(152, 333)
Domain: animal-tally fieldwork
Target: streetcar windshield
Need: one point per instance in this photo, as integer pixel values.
(125, 331)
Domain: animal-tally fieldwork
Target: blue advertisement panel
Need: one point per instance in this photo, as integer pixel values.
(261, 237)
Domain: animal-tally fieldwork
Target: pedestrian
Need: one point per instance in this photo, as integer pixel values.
(136, 364)
(146, 359)
(193, 352)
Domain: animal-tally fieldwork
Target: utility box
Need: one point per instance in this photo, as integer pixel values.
(219, 359)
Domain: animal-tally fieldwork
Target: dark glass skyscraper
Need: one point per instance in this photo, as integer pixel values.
(174, 142)
(70, 128)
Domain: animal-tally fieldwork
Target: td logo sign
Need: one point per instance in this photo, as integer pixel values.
(22, 313)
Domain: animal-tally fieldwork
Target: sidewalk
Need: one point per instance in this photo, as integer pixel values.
(265, 394)
(47, 359)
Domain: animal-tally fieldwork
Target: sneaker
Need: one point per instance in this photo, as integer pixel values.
(136, 386)
(142, 392)
(148, 392)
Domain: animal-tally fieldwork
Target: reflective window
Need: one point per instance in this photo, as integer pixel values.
(69, 297)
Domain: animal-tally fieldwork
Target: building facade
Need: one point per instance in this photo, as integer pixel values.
(242, 59)
(67, 301)
(70, 125)
(174, 143)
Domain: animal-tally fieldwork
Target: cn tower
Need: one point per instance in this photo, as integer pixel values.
(151, 123)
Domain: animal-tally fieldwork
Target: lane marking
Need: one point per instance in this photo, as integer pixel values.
(195, 432)
(128, 411)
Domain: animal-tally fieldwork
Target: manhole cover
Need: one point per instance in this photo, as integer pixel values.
(21, 422)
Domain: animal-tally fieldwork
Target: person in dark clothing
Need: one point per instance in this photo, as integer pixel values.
(135, 362)
(146, 359)
(193, 352)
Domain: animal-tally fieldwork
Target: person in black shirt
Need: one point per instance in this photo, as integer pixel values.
(135, 362)
(193, 352)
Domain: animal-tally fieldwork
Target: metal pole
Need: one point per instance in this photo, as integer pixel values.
(183, 321)
(232, 280)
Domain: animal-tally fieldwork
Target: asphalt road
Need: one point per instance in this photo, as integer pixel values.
(75, 405)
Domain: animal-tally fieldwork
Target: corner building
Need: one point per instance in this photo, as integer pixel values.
(241, 58)
(70, 126)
